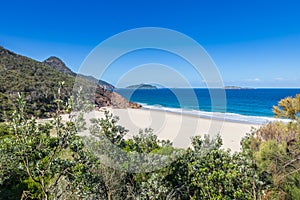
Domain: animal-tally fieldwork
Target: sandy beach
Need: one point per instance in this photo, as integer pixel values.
(178, 128)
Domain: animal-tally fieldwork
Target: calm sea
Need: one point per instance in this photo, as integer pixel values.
(245, 105)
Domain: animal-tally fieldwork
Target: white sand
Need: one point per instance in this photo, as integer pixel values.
(179, 128)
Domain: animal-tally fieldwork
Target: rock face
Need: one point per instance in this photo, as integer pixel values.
(105, 98)
(106, 85)
(59, 65)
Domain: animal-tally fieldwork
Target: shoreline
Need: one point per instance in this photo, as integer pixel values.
(204, 117)
(228, 117)
(179, 128)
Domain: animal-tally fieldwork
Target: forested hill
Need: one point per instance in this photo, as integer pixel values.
(39, 82)
(58, 64)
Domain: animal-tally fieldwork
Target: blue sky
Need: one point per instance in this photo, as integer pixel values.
(253, 43)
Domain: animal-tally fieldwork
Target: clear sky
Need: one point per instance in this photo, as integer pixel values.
(254, 43)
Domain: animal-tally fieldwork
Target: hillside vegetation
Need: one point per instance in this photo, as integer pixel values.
(38, 81)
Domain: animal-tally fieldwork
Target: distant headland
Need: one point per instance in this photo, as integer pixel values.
(237, 88)
(141, 86)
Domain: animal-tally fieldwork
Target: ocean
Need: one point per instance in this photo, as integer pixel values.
(242, 105)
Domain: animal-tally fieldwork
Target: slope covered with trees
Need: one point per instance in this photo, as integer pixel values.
(38, 81)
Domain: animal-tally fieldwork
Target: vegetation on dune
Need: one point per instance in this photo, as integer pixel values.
(38, 165)
(288, 108)
(275, 148)
(50, 161)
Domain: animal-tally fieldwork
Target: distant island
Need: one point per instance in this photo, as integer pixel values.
(141, 86)
(236, 88)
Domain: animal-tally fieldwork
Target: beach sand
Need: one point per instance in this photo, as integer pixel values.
(179, 128)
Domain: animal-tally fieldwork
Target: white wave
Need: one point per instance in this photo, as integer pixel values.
(216, 115)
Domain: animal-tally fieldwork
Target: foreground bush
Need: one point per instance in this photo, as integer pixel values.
(49, 160)
(275, 148)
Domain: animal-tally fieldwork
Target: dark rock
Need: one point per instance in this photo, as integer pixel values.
(105, 98)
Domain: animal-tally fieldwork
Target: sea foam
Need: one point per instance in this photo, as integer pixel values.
(232, 117)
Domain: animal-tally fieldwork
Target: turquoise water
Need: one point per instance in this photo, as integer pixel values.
(250, 105)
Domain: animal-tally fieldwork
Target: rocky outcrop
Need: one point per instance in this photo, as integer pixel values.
(105, 98)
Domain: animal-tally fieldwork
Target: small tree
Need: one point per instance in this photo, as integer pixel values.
(217, 174)
(48, 157)
(275, 149)
(288, 108)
